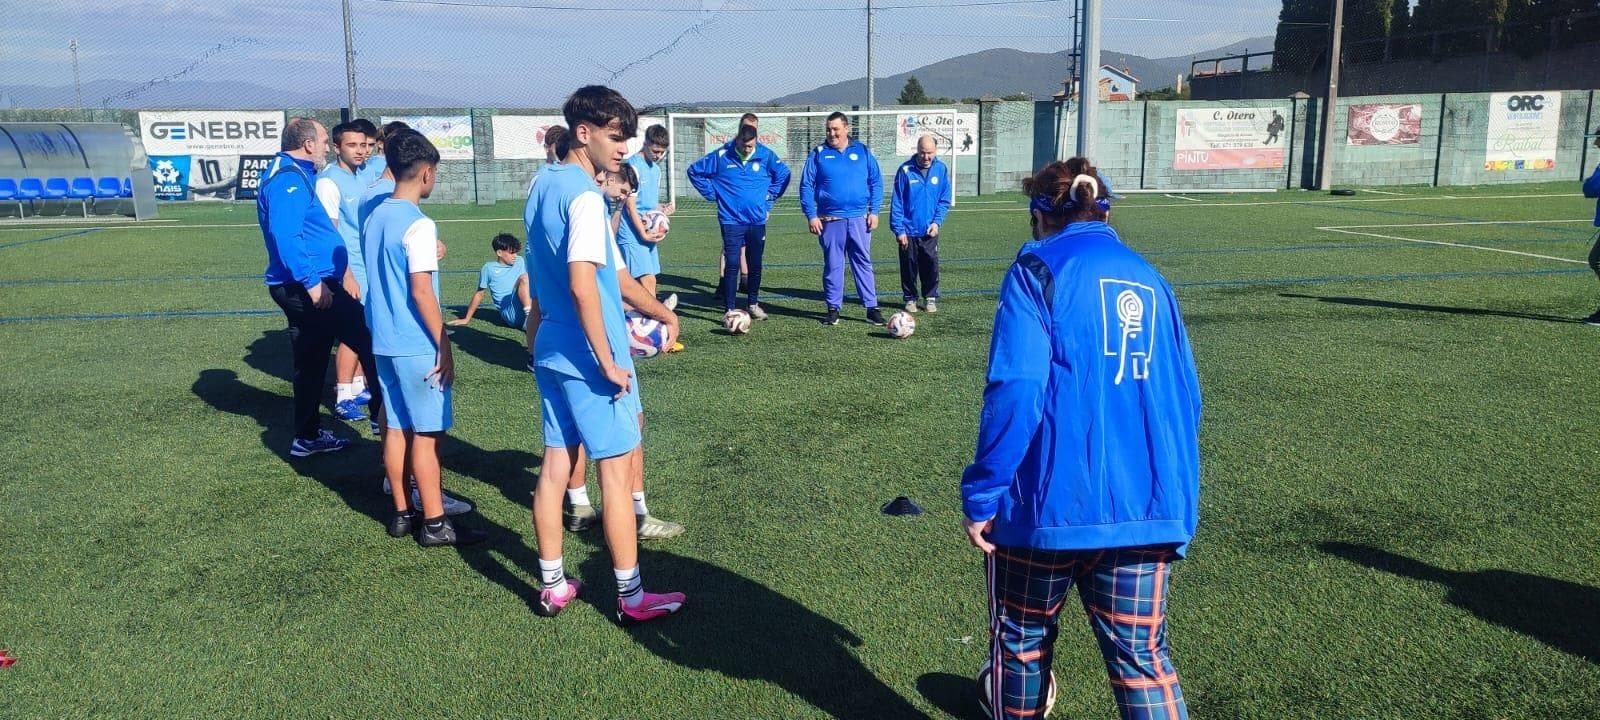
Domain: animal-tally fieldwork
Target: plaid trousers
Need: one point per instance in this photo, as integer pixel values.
(1124, 593)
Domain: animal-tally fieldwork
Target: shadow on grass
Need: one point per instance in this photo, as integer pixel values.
(354, 476)
(740, 628)
(491, 348)
(954, 694)
(1557, 613)
(1415, 307)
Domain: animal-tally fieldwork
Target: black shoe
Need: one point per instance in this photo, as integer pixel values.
(404, 523)
(832, 318)
(874, 317)
(1593, 319)
(449, 534)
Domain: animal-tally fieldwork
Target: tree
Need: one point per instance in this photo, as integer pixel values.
(912, 93)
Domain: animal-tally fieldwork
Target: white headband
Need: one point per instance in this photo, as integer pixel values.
(1089, 180)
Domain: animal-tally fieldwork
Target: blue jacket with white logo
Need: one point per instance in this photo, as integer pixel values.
(841, 183)
(743, 191)
(921, 197)
(1591, 189)
(1089, 436)
(302, 244)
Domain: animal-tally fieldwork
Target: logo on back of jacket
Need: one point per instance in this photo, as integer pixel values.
(1127, 315)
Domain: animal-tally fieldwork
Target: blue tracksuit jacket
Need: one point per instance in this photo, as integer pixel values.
(743, 191)
(841, 183)
(302, 244)
(920, 197)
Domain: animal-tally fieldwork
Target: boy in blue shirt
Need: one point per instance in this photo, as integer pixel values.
(922, 196)
(744, 179)
(415, 364)
(640, 248)
(587, 392)
(1591, 189)
(339, 188)
(505, 279)
(841, 192)
(1087, 468)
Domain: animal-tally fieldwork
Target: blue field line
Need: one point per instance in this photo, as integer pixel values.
(74, 233)
(1313, 280)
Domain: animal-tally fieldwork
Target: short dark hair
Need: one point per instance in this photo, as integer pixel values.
(407, 152)
(297, 132)
(600, 106)
(746, 134)
(390, 128)
(657, 135)
(748, 118)
(341, 129)
(554, 134)
(507, 242)
(628, 175)
(365, 127)
(837, 116)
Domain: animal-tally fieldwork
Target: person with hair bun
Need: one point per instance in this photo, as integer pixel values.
(1087, 468)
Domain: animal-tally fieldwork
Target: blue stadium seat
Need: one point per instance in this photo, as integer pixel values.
(8, 191)
(30, 189)
(82, 190)
(109, 188)
(55, 189)
(127, 187)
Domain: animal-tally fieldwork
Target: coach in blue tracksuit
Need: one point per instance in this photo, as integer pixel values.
(922, 196)
(1087, 468)
(307, 273)
(743, 178)
(1591, 189)
(841, 192)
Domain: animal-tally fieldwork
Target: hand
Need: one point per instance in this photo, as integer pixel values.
(976, 532)
(872, 222)
(903, 240)
(439, 248)
(444, 370)
(655, 237)
(458, 322)
(321, 299)
(672, 330)
(668, 209)
(618, 377)
(816, 226)
(933, 229)
(350, 286)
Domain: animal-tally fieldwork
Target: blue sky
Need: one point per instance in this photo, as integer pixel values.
(653, 50)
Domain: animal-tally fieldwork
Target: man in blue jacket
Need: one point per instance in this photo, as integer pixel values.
(841, 192)
(1591, 189)
(922, 195)
(1087, 465)
(308, 275)
(743, 178)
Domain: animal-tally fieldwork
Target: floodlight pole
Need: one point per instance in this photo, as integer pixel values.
(1325, 166)
(872, 91)
(77, 85)
(349, 59)
(1089, 78)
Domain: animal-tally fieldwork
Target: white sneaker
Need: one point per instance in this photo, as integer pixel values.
(911, 306)
(756, 313)
(671, 302)
(931, 304)
(452, 506)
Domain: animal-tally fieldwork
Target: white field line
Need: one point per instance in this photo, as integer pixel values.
(1449, 224)
(1180, 197)
(1381, 192)
(1451, 244)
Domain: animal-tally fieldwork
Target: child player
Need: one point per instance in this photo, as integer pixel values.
(415, 365)
(640, 248)
(505, 279)
(338, 188)
(588, 397)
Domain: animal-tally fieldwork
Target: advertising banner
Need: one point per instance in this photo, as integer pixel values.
(252, 170)
(961, 131)
(521, 137)
(771, 132)
(171, 176)
(211, 132)
(1523, 130)
(1383, 125)
(1230, 138)
(451, 134)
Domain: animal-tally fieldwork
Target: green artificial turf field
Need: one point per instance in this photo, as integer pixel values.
(1399, 517)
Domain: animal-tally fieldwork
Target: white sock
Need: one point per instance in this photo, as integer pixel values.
(552, 576)
(358, 384)
(638, 504)
(578, 495)
(630, 587)
(344, 391)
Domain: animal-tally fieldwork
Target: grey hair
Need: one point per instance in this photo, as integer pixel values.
(298, 132)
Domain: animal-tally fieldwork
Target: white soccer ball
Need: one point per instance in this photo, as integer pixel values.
(646, 337)
(656, 221)
(902, 324)
(736, 322)
(986, 692)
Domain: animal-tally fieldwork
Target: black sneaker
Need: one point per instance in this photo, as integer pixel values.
(449, 534)
(1593, 319)
(874, 317)
(832, 318)
(404, 523)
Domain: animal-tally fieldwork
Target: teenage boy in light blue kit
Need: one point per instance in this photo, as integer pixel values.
(339, 187)
(505, 280)
(1087, 468)
(841, 192)
(744, 179)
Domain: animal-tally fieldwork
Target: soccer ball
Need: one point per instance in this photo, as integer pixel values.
(646, 337)
(902, 324)
(736, 322)
(986, 692)
(656, 221)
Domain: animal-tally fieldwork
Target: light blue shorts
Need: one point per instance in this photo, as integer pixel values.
(580, 411)
(512, 315)
(642, 258)
(409, 401)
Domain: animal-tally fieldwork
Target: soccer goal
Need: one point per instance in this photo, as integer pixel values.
(891, 134)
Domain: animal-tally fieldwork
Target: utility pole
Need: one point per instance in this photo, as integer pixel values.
(872, 91)
(349, 59)
(77, 85)
(1325, 166)
(1089, 78)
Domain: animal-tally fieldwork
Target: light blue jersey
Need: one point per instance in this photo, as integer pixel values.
(649, 197)
(377, 192)
(398, 240)
(373, 169)
(344, 189)
(566, 222)
(500, 280)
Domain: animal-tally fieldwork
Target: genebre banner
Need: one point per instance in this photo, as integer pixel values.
(1383, 125)
(451, 134)
(211, 132)
(1523, 130)
(1248, 138)
(961, 131)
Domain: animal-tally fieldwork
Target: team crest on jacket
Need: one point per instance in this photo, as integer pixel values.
(1127, 314)
(756, 166)
(853, 156)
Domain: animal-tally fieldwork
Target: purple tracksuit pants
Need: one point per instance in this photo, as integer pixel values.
(842, 238)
